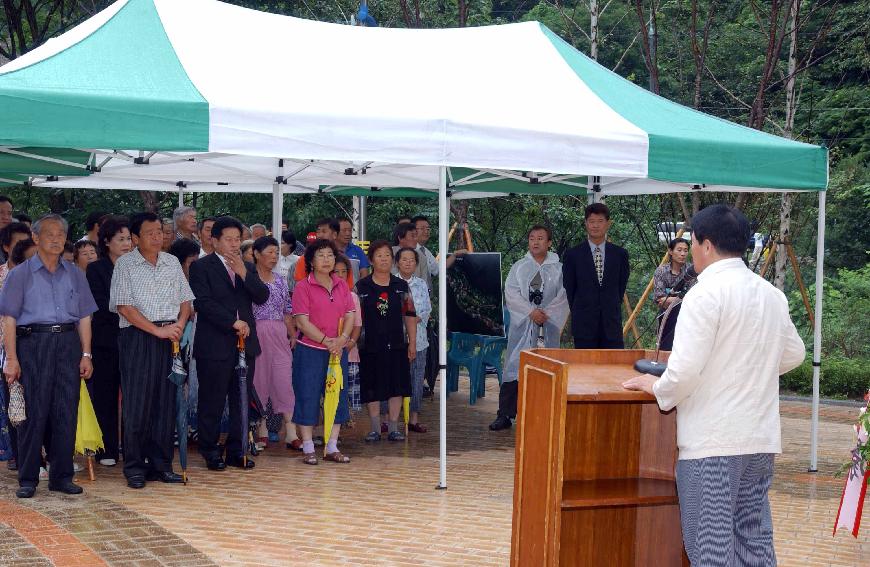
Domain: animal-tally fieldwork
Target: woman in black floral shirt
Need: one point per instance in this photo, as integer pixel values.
(389, 331)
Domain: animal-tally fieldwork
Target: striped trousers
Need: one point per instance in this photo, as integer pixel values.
(50, 376)
(724, 510)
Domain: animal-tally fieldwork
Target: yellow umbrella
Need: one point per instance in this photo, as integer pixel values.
(406, 408)
(334, 385)
(89, 436)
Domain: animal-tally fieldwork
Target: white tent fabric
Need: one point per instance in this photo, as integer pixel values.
(251, 102)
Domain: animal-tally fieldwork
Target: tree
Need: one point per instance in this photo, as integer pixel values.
(29, 23)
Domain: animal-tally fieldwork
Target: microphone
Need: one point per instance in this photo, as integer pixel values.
(536, 297)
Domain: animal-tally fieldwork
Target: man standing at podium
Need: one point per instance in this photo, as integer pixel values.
(538, 309)
(596, 274)
(733, 340)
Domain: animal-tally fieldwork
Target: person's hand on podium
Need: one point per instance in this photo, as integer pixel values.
(643, 383)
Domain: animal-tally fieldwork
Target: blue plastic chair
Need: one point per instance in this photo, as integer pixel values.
(463, 352)
(490, 354)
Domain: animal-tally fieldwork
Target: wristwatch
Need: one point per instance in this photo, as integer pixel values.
(88, 355)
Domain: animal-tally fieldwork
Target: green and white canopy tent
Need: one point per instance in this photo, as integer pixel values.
(152, 95)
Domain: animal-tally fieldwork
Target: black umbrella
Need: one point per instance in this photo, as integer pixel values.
(242, 370)
(178, 376)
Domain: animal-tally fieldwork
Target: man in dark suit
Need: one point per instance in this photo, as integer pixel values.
(595, 275)
(224, 286)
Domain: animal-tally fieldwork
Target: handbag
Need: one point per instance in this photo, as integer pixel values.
(17, 415)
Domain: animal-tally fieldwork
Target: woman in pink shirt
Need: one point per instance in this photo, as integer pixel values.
(324, 313)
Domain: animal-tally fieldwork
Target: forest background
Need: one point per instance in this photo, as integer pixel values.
(794, 68)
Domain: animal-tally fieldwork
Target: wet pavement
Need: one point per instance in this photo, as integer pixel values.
(381, 509)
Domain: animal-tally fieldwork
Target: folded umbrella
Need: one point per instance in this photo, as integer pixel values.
(334, 385)
(89, 436)
(178, 376)
(406, 409)
(242, 371)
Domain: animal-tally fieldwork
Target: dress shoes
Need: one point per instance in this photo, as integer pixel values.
(501, 422)
(165, 476)
(241, 463)
(66, 488)
(215, 464)
(136, 481)
(25, 492)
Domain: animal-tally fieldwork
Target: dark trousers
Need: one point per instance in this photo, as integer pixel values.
(507, 399)
(148, 402)
(218, 382)
(105, 386)
(50, 376)
(600, 340)
(667, 342)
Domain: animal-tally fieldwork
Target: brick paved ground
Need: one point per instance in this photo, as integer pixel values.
(382, 509)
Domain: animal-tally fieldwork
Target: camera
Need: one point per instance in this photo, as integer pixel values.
(682, 285)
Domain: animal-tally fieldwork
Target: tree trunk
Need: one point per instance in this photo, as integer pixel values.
(149, 201)
(790, 108)
(648, 37)
(699, 52)
(593, 29)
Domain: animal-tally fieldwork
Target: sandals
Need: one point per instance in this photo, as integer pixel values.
(309, 458)
(336, 457)
(417, 428)
(295, 445)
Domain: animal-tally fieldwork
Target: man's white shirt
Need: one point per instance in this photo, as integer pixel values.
(733, 340)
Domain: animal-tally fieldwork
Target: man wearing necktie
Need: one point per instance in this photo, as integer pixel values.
(225, 287)
(595, 275)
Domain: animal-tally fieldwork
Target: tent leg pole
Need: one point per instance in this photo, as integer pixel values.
(817, 333)
(363, 218)
(180, 197)
(443, 214)
(277, 210)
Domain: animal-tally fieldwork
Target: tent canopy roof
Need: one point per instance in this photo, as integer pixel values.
(159, 76)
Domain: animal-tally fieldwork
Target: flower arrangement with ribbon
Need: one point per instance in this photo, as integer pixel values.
(852, 501)
(383, 304)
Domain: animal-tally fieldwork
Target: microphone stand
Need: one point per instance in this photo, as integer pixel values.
(655, 367)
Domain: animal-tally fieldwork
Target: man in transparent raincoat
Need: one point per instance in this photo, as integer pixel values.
(538, 310)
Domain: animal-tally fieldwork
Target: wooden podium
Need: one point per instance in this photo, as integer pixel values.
(594, 475)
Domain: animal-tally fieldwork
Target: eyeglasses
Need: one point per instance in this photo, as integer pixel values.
(328, 256)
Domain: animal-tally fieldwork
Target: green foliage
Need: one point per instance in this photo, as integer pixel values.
(846, 315)
(839, 378)
(848, 237)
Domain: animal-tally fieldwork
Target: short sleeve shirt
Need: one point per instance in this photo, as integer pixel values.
(353, 354)
(324, 308)
(354, 252)
(156, 291)
(33, 295)
(278, 303)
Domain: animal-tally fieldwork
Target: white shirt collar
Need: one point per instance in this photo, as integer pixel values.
(720, 266)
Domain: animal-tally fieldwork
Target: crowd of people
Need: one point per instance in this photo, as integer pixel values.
(133, 286)
(110, 307)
